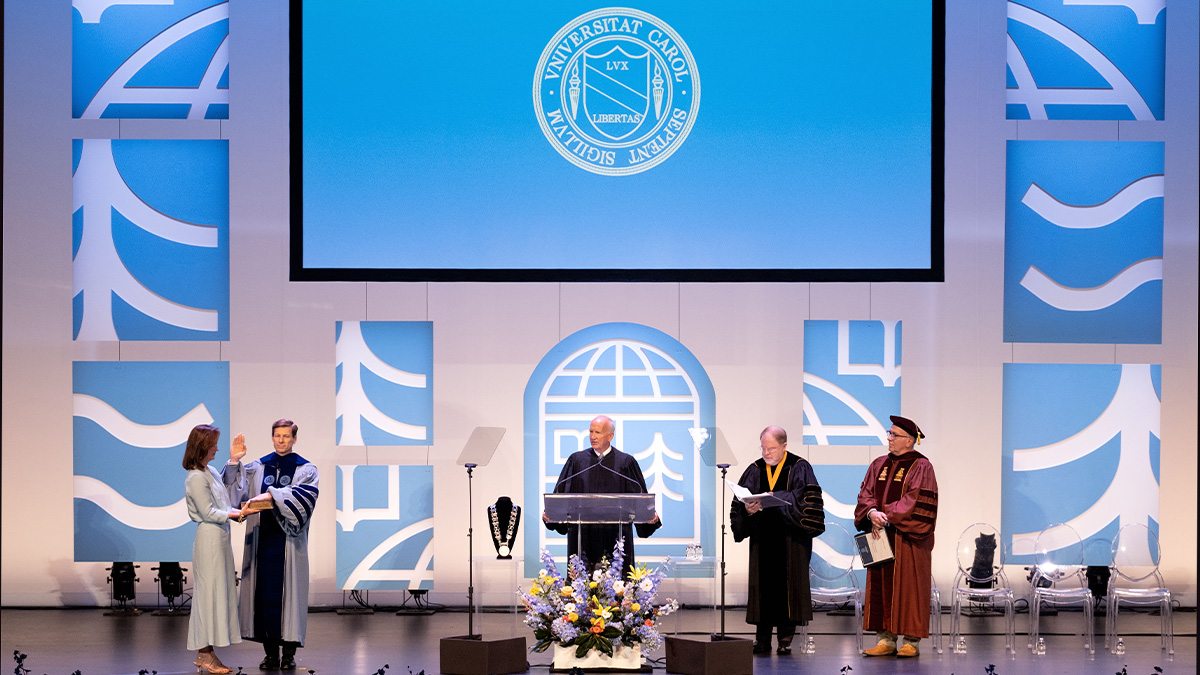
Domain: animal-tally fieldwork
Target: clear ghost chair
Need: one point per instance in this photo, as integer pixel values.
(935, 615)
(1136, 580)
(834, 581)
(1060, 578)
(980, 578)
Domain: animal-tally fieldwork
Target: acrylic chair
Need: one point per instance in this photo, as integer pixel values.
(980, 578)
(1060, 578)
(834, 582)
(935, 615)
(1136, 580)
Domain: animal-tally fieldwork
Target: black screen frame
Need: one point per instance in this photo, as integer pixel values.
(935, 272)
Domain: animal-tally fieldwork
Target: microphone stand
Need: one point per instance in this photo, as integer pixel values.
(470, 555)
(724, 469)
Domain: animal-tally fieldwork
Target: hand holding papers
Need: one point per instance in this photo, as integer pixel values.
(765, 499)
(873, 547)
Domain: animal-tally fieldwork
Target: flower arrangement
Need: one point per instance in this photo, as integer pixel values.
(597, 611)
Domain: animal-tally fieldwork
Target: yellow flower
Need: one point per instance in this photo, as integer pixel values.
(567, 591)
(535, 590)
(638, 572)
(598, 622)
(592, 584)
(572, 617)
(635, 607)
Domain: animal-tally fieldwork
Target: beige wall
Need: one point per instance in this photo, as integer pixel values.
(488, 337)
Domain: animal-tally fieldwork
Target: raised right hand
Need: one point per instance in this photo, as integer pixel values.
(237, 449)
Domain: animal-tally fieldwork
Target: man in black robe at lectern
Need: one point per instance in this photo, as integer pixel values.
(601, 470)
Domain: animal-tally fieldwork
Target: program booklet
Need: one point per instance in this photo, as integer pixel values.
(873, 549)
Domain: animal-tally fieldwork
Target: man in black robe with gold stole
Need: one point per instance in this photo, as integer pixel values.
(601, 470)
(781, 529)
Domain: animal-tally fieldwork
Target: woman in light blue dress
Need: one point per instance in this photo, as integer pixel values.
(214, 617)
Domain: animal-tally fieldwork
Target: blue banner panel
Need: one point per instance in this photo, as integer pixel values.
(835, 558)
(1083, 242)
(150, 240)
(1086, 59)
(384, 527)
(384, 377)
(1081, 448)
(163, 59)
(131, 424)
(851, 381)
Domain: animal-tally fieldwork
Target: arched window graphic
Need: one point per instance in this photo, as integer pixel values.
(663, 404)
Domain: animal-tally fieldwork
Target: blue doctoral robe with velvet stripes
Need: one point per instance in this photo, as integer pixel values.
(273, 596)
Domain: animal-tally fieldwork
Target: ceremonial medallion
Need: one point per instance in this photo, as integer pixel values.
(616, 91)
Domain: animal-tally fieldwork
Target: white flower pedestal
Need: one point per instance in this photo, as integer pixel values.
(623, 658)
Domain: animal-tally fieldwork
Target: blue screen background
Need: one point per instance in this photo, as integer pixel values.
(810, 150)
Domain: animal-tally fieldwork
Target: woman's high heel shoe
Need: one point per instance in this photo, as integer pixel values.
(207, 662)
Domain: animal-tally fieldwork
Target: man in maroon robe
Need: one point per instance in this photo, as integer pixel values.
(898, 500)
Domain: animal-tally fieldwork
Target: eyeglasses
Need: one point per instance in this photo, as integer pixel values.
(892, 434)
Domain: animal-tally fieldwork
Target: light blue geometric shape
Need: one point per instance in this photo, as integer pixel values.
(851, 380)
(385, 527)
(840, 484)
(1086, 59)
(384, 382)
(151, 240)
(150, 59)
(668, 428)
(1083, 242)
(131, 424)
(1080, 446)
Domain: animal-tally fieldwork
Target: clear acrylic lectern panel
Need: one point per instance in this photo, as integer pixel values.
(599, 508)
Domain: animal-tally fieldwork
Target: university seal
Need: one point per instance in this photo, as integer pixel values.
(616, 91)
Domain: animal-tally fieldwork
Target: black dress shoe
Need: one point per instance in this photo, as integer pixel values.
(784, 650)
(761, 648)
(269, 662)
(288, 662)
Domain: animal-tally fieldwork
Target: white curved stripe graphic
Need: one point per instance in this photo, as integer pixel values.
(126, 512)
(1122, 91)
(91, 10)
(352, 341)
(1135, 400)
(841, 561)
(838, 509)
(1099, 215)
(1096, 298)
(420, 571)
(1146, 11)
(138, 435)
(1134, 413)
(870, 426)
(99, 272)
(115, 91)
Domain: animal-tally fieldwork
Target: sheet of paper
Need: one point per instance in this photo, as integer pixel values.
(744, 494)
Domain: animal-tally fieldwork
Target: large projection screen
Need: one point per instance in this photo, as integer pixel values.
(442, 140)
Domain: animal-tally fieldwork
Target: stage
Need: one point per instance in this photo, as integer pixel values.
(61, 641)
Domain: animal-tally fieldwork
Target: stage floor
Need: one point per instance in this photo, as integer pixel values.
(61, 641)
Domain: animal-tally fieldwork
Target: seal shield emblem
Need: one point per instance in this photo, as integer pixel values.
(616, 91)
